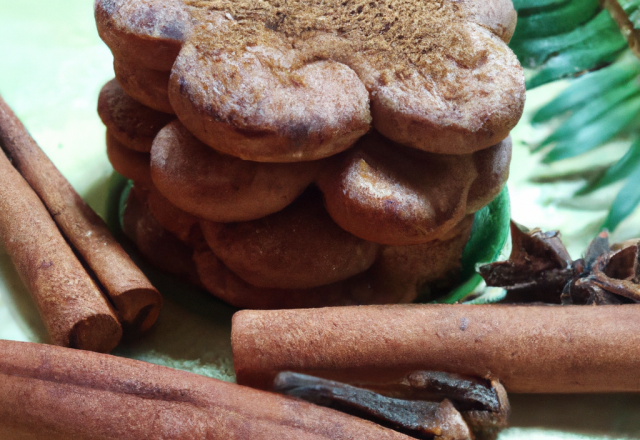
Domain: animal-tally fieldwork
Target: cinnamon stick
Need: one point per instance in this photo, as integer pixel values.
(136, 300)
(72, 307)
(58, 393)
(530, 349)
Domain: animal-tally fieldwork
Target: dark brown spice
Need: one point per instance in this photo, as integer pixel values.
(426, 404)
(540, 270)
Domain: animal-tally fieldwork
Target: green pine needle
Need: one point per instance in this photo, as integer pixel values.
(116, 186)
(488, 236)
(607, 101)
(535, 51)
(561, 19)
(566, 38)
(575, 60)
(588, 87)
(529, 4)
(625, 202)
(620, 170)
(596, 133)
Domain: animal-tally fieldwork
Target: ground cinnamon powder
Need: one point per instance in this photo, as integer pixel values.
(400, 32)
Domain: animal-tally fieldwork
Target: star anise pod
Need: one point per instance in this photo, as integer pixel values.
(540, 269)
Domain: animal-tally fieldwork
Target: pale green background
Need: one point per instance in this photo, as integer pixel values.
(52, 65)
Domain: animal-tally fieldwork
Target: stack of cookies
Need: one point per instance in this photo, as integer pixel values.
(304, 154)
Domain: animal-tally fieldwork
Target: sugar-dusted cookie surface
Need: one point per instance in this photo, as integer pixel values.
(221, 282)
(399, 275)
(422, 270)
(278, 81)
(325, 152)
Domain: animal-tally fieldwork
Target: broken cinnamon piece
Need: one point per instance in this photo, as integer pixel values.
(70, 304)
(136, 300)
(531, 349)
(58, 394)
(435, 415)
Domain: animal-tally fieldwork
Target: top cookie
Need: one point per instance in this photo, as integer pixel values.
(288, 81)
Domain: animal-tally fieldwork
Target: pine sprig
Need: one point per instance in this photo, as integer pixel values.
(579, 36)
(563, 39)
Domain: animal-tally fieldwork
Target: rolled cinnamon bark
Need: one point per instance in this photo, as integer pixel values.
(136, 300)
(57, 393)
(531, 349)
(72, 307)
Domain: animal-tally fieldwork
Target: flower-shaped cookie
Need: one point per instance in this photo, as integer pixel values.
(130, 122)
(378, 190)
(278, 81)
(398, 274)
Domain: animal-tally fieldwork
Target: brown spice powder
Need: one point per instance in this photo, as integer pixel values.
(397, 32)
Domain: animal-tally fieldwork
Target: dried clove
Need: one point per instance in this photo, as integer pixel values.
(425, 404)
(539, 269)
(468, 393)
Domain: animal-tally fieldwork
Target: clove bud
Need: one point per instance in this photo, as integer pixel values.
(424, 404)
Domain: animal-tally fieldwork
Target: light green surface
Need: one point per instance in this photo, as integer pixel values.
(52, 65)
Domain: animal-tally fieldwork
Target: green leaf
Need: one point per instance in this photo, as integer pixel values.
(490, 295)
(488, 236)
(530, 4)
(590, 86)
(557, 20)
(591, 111)
(122, 203)
(115, 187)
(555, 37)
(596, 133)
(462, 291)
(629, 6)
(592, 44)
(534, 52)
(579, 59)
(634, 16)
(625, 202)
(621, 169)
